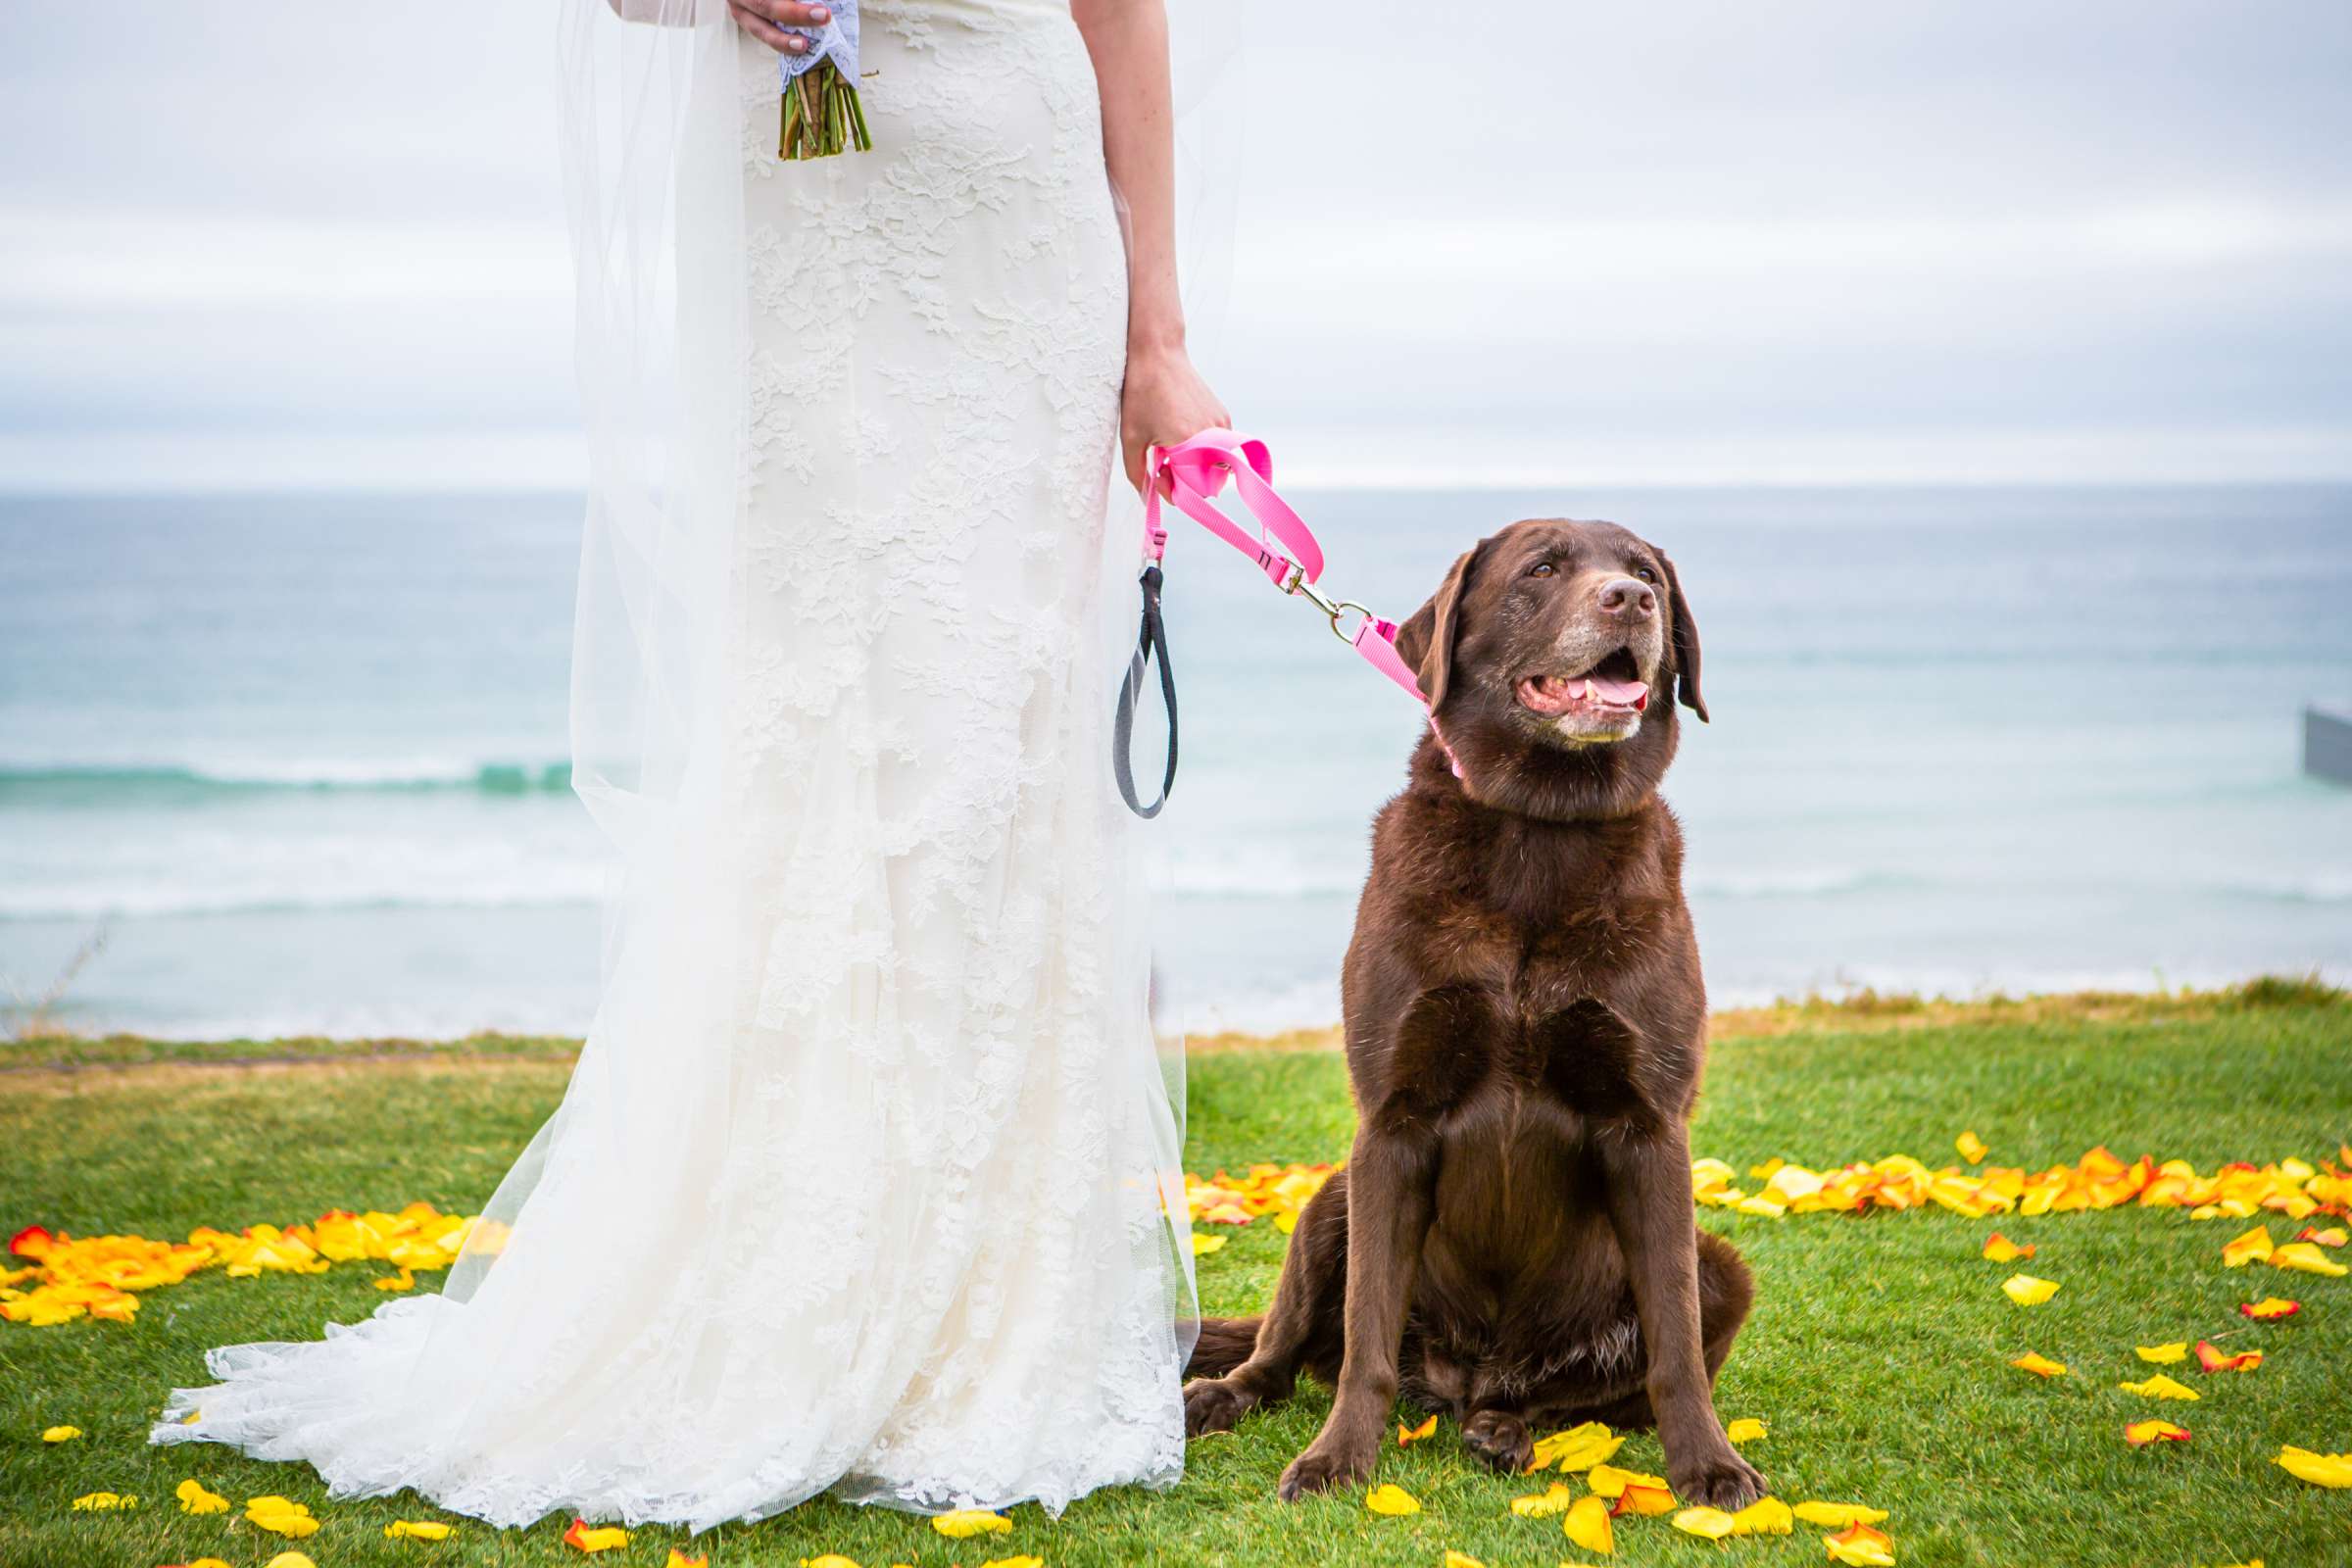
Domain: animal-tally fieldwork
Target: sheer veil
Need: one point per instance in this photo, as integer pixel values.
(654, 126)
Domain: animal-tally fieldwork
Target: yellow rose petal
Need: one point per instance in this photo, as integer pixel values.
(962, 1524)
(1837, 1515)
(2320, 1469)
(2308, 1259)
(1607, 1481)
(1709, 1524)
(1392, 1499)
(60, 1434)
(1014, 1562)
(1766, 1516)
(286, 1559)
(2247, 1247)
(1204, 1244)
(1461, 1559)
(2027, 1291)
(2160, 1387)
(1746, 1429)
(1554, 1498)
(2163, 1354)
(1971, 1148)
(415, 1530)
(194, 1499)
(1587, 1525)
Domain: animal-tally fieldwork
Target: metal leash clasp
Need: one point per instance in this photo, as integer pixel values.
(1334, 609)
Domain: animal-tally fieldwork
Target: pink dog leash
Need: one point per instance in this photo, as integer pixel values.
(1191, 475)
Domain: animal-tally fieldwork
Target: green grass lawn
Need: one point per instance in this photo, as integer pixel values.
(1878, 1351)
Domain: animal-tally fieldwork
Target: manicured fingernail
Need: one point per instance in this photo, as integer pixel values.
(820, 12)
(797, 45)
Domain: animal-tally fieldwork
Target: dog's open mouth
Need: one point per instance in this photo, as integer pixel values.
(1612, 686)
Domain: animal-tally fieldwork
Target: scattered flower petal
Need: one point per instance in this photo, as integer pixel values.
(2320, 1469)
(2332, 1236)
(194, 1499)
(1999, 1248)
(2212, 1359)
(1014, 1562)
(585, 1536)
(2163, 1354)
(1461, 1559)
(2027, 1291)
(2309, 1259)
(1392, 1499)
(1709, 1524)
(1862, 1547)
(1204, 1244)
(417, 1529)
(1587, 1523)
(1746, 1429)
(1407, 1435)
(1837, 1515)
(2271, 1308)
(962, 1524)
(1766, 1516)
(1638, 1498)
(1971, 1148)
(1579, 1447)
(2248, 1247)
(281, 1516)
(2160, 1387)
(1552, 1499)
(405, 1280)
(678, 1559)
(60, 1434)
(105, 1502)
(291, 1559)
(1607, 1481)
(2041, 1366)
(2139, 1434)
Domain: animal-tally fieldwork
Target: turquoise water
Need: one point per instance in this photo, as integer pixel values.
(300, 758)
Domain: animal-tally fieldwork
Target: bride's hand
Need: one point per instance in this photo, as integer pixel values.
(767, 20)
(1165, 402)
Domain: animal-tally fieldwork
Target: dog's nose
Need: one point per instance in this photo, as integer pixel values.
(1629, 597)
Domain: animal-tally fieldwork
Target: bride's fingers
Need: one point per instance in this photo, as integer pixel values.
(759, 24)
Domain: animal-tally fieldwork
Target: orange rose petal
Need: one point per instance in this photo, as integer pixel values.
(2041, 1365)
(1999, 1248)
(1643, 1501)
(2214, 1360)
(1861, 1545)
(678, 1559)
(584, 1536)
(1409, 1435)
(2271, 1308)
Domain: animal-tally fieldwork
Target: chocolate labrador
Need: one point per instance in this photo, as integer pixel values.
(1511, 1239)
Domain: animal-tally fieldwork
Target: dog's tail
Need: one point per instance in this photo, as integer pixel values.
(1225, 1343)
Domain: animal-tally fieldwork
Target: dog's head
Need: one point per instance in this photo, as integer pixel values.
(1551, 658)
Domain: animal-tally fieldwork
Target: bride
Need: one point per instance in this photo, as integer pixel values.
(866, 1179)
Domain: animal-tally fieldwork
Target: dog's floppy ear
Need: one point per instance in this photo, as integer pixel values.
(1685, 643)
(1426, 639)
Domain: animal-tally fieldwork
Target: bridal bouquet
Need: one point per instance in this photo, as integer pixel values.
(821, 116)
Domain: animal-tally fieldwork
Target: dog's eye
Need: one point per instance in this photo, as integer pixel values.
(1646, 574)
(1542, 568)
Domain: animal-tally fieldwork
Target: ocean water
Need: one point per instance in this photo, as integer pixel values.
(297, 763)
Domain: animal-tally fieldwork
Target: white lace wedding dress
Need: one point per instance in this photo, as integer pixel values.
(864, 1181)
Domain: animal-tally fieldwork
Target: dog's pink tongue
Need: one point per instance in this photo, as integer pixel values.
(1622, 693)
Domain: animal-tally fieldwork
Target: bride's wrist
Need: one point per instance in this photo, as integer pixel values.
(1164, 339)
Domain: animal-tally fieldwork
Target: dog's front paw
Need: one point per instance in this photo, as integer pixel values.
(1214, 1404)
(1325, 1465)
(1720, 1480)
(1500, 1439)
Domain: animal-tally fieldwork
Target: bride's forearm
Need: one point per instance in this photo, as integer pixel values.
(1128, 42)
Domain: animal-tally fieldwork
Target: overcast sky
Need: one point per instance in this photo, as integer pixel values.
(273, 241)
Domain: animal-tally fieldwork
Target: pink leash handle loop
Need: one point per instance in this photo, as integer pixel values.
(1191, 475)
